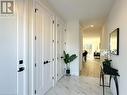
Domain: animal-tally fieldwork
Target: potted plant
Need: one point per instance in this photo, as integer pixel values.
(67, 59)
(107, 62)
(106, 65)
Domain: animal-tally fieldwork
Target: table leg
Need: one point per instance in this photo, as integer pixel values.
(116, 83)
(103, 84)
(110, 80)
(100, 77)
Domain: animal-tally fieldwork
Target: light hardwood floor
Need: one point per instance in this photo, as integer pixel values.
(91, 68)
(78, 86)
(86, 84)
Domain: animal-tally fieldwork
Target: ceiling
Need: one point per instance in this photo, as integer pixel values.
(87, 11)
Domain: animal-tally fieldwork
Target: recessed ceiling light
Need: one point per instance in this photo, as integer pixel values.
(91, 25)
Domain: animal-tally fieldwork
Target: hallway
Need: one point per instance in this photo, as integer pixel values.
(78, 86)
(35, 34)
(91, 68)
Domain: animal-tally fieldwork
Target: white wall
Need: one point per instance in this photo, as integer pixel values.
(81, 49)
(104, 38)
(8, 55)
(72, 44)
(118, 19)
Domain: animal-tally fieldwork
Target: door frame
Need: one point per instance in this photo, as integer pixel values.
(24, 25)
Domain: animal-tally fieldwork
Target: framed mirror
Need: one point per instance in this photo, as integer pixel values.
(114, 42)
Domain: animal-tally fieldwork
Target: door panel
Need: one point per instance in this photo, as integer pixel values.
(38, 51)
(12, 55)
(60, 49)
(22, 38)
(43, 51)
(48, 67)
(55, 53)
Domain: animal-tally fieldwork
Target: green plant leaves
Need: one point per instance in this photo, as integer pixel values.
(72, 57)
(68, 58)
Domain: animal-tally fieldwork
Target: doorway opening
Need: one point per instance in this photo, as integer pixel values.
(91, 52)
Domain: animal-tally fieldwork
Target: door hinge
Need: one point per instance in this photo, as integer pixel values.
(53, 21)
(36, 10)
(35, 65)
(35, 92)
(35, 38)
(58, 25)
(53, 41)
(53, 78)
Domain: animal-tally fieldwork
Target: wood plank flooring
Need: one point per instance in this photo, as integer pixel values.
(91, 68)
(86, 84)
(78, 86)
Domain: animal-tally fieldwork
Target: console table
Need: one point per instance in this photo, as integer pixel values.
(113, 75)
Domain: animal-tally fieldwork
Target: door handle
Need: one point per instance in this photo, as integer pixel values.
(21, 69)
(20, 61)
(46, 62)
(62, 57)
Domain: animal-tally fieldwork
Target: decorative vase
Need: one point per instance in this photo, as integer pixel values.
(107, 65)
(68, 69)
(67, 72)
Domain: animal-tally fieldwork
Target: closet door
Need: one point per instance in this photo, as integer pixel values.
(48, 51)
(22, 46)
(58, 52)
(39, 47)
(54, 53)
(43, 50)
(61, 50)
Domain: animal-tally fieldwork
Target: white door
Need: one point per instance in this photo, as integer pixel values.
(48, 51)
(22, 46)
(38, 79)
(58, 52)
(43, 80)
(61, 50)
(13, 67)
(55, 54)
